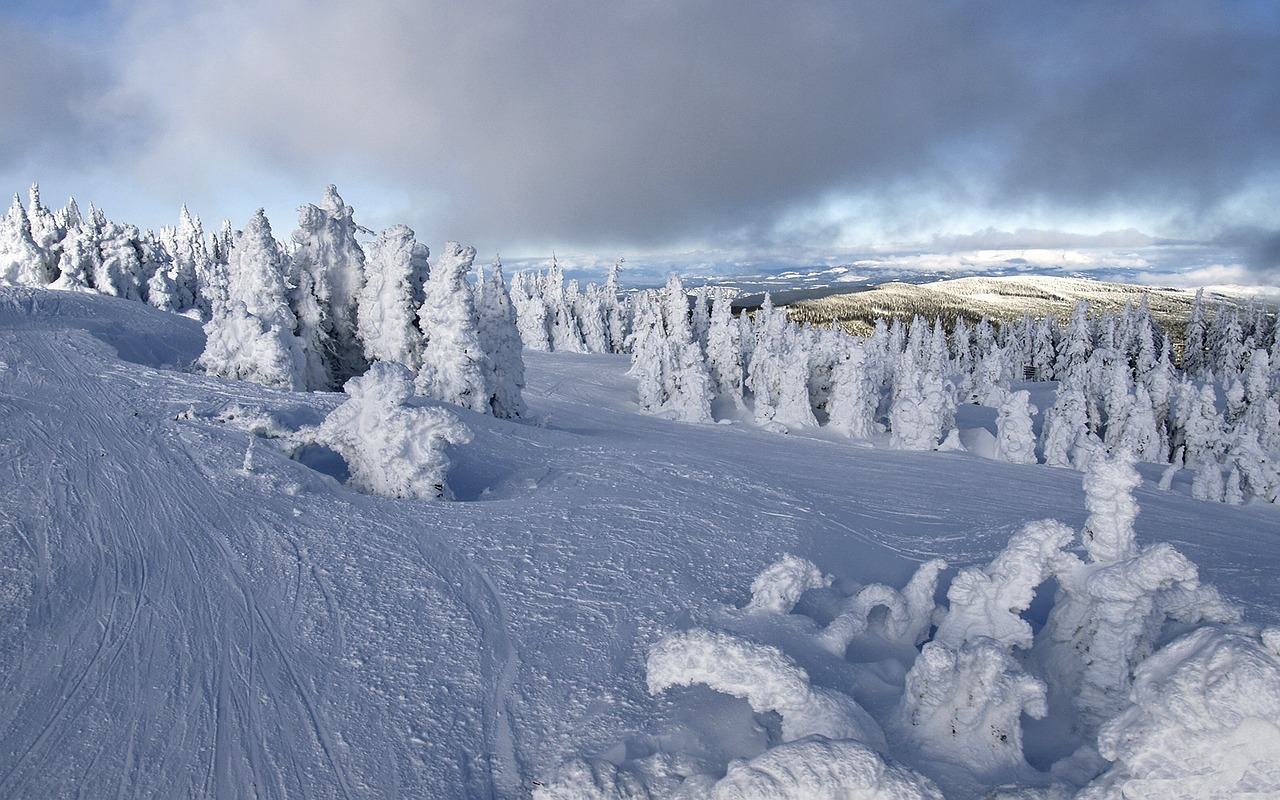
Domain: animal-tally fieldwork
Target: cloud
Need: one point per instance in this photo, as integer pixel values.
(51, 101)
(1024, 238)
(668, 126)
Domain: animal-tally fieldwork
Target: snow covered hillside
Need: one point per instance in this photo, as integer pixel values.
(187, 611)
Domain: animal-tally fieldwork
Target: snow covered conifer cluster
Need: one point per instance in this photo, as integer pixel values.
(307, 313)
(1118, 389)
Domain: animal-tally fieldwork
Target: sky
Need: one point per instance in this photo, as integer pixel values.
(710, 132)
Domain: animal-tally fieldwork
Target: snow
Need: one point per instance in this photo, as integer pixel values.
(187, 611)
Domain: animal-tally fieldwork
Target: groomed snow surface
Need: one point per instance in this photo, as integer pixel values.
(195, 600)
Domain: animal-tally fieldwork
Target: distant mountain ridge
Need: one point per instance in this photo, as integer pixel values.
(1004, 299)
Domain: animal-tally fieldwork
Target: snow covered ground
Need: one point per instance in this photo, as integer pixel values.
(186, 611)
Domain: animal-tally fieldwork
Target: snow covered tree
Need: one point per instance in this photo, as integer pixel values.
(251, 333)
(725, 360)
(79, 258)
(909, 616)
(392, 448)
(778, 372)
(688, 383)
(765, 677)
(564, 331)
(328, 276)
(500, 340)
(1110, 609)
(453, 365)
(923, 406)
(855, 391)
(1066, 423)
(1194, 354)
(1015, 436)
(648, 354)
(387, 307)
(966, 693)
(21, 263)
(615, 313)
(531, 312)
(120, 272)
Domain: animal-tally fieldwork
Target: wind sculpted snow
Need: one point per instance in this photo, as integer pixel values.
(187, 612)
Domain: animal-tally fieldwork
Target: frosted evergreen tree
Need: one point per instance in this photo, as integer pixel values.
(962, 346)
(1233, 487)
(328, 276)
(1207, 483)
(1261, 416)
(1199, 426)
(1077, 342)
(647, 343)
(984, 337)
(615, 313)
(453, 365)
(120, 273)
(688, 383)
(989, 377)
(725, 360)
(1066, 423)
(1111, 608)
(190, 263)
(589, 308)
(1015, 434)
(392, 448)
(500, 339)
(922, 408)
(21, 263)
(531, 312)
(1227, 342)
(387, 308)
(778, 373)
(46, 233)
(1043, 350)
(1140, 434)
(251, 333)
(855, 391)
(162, 286)
(565, 334)
(1194, 353)
(79, 257)
(1110, 381)
(1259, 472)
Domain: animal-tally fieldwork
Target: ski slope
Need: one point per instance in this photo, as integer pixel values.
(187, 612)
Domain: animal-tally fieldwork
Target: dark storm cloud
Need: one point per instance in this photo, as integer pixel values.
(1179, 98)
(648, 124)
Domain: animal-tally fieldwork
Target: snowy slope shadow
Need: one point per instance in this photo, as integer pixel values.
(323, 460)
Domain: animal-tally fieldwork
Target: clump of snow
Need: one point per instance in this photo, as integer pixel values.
(1108, 486)
(987, 603)
(966, 693)
(910, 615)
(1203, 721)
(766, 677)
(778, 588)
(391, 448)
(819, 769)
(963, 707)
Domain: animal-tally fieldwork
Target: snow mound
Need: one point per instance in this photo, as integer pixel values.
(778, 588)
(819, 769)
(766, 677)
(1204, 721)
